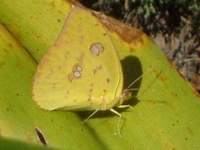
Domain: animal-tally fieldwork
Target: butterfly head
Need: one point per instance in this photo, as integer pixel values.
(125, 95)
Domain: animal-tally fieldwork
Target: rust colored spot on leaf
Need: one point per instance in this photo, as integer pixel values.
(127, 33)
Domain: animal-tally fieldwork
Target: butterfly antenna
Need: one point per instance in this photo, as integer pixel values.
(90, 116)
(139, 77)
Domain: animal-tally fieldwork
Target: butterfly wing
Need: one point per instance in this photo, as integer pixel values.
(82, 70)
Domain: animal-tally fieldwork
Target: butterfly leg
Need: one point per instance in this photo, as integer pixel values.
(118, 125)
(120, 116)
(124, 106)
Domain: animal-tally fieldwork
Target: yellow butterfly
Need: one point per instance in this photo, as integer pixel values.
(82, 71)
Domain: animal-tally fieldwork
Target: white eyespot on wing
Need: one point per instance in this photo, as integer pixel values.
(78, 68)
(75, 73)
(96, 49)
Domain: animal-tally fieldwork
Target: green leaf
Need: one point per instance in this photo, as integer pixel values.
(8, 144)
(164, 110)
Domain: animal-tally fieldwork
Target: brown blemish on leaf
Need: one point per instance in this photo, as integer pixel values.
(2, 64)
(10, 45)
(172, 107)
(163, 78)
(175, 95)
(40, 136)
(186, 139)
(127, 33)
(190, 130)
(52, 4)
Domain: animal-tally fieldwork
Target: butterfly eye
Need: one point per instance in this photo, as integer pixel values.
(96, 48)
